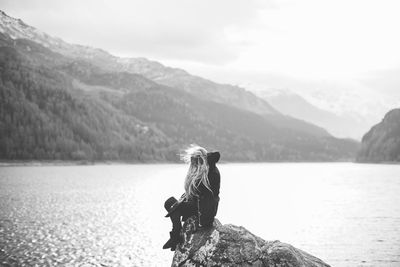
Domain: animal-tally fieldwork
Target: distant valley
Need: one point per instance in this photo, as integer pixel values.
(340, 125)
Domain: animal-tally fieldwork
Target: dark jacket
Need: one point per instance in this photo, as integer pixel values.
(205, 206)
(207, 202)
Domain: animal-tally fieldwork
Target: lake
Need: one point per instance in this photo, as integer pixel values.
(112, 215)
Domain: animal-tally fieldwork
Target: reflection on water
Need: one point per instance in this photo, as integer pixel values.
(346, 214)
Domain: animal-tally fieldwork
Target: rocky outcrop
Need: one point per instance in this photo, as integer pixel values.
(382, 142)
(230, 245)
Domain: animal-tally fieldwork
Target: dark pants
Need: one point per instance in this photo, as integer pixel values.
(185, 210)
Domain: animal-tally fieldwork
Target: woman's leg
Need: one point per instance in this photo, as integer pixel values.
(185, 209)
(188, 209)
(176, 220)
(175, 237)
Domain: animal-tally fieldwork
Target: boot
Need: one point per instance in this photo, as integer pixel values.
(174, 240)
(175, 236)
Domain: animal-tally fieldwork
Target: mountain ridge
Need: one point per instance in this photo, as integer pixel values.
(382, 142)
(292, 104)
(178, 78)
(148, 68)
(59, 107)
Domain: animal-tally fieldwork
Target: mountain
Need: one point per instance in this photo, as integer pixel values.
(41, 117)
(155, 71)
(358, 102)
(382, 142)
(58, 106)
(222, 93)
(294, 105)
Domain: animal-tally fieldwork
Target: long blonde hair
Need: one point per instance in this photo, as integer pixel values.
(198, 170)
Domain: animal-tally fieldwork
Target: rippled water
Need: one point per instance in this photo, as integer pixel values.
(112, 215)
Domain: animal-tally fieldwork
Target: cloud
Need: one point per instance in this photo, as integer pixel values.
(306, 39)
(173, 29)
(315, 38)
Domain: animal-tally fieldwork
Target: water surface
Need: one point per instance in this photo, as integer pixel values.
(109, 215)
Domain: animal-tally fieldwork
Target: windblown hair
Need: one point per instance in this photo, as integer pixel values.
(198, 170)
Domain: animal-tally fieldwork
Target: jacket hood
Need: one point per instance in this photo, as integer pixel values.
(213, 157)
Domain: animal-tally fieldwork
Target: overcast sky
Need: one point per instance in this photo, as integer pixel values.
(234, 40)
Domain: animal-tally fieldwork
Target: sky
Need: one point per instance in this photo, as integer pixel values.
(244, 42)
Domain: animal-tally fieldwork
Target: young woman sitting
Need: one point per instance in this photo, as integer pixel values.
(201, 195)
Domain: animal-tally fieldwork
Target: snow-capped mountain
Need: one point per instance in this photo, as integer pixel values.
(16, 28)
(341, 125)
(343, 112)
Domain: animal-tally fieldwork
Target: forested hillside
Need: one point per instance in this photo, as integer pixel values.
(42, 118)
(173, 77)
(382, 142)
(54, 106)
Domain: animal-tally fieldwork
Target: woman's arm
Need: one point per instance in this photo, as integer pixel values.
(208, 200)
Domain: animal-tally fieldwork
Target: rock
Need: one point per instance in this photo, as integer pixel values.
(230, 245)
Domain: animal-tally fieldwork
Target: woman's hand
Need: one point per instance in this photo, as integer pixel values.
(183, 197)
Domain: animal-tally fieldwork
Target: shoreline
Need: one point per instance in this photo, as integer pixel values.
(21, 163)
(75, 163)
(38, 163)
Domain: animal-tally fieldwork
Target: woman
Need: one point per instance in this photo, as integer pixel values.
(201, 195)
